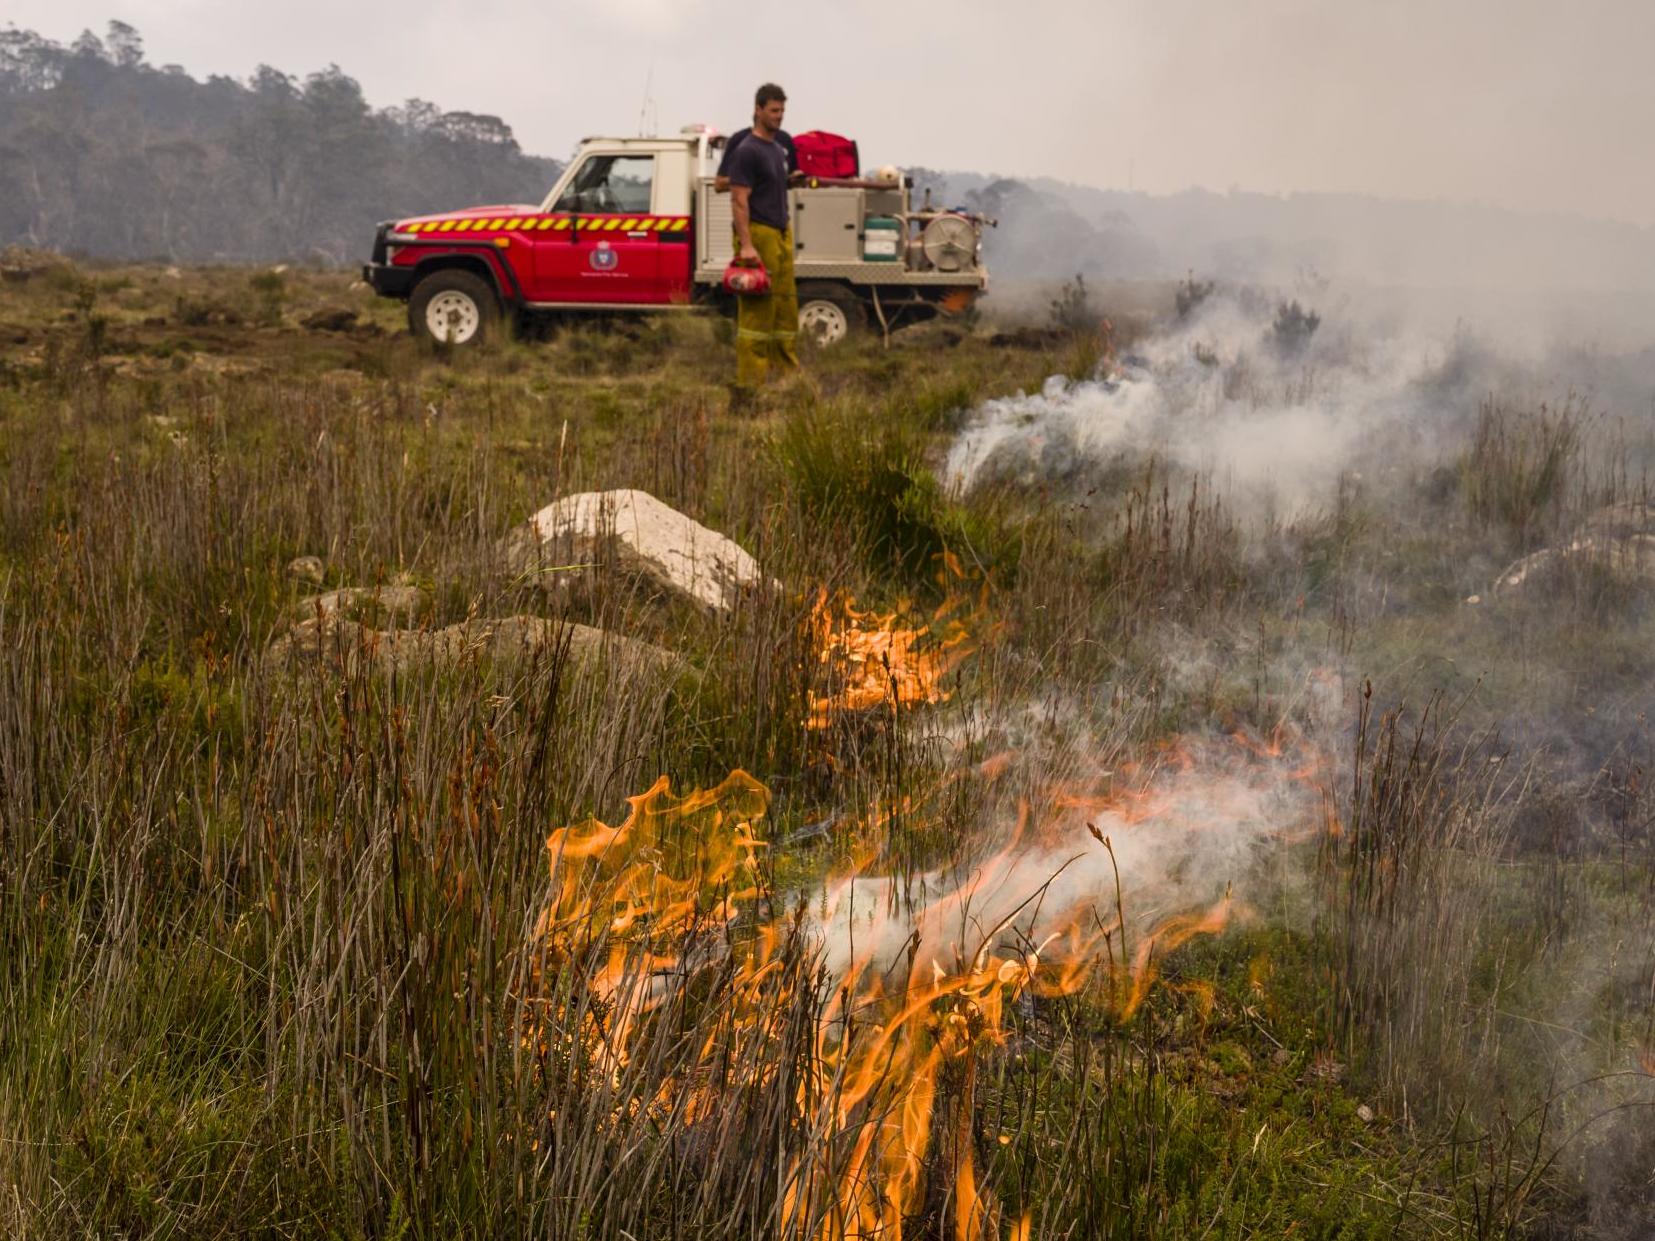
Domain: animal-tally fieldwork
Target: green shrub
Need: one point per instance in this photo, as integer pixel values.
(1293, 327)
(869, 475)
(1071, 310)
(269, 289)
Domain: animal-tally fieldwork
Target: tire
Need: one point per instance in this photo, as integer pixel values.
(829, 313)
(454, 307)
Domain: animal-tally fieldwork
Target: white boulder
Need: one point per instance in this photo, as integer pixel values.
(675, 552)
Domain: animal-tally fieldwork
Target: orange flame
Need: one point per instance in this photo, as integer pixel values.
(870, 660)
(897, 1034)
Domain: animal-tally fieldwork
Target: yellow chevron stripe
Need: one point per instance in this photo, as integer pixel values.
(493, 224)
(562, 225)
(407, 228)
(515, 222)
(660, 224)
(610, 224)
(544, 222)
(679, 226)
(445, 226)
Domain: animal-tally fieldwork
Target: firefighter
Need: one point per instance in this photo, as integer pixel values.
(767, 325)
(721, 182)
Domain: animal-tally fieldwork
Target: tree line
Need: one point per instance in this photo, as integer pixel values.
(106, 155)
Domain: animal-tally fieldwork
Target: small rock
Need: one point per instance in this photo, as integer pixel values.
(306, 569)
(1364, 1113)
(398, 600)
(1473, 599)
(1618, 538)
(1325, 1068)
(331, 319)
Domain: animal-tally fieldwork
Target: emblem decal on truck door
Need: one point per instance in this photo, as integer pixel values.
(604, 258)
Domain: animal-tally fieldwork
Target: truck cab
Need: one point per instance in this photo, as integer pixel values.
(635, 225)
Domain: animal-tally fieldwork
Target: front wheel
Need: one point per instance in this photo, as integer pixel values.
(454, 308)
(828, 313)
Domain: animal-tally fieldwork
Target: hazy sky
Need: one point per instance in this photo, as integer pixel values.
(1535, 104)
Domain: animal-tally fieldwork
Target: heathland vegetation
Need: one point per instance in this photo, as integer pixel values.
(1359, 842)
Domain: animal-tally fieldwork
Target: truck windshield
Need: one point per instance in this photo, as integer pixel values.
(611, 184)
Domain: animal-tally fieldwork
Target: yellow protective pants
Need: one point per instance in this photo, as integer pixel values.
(767, 327)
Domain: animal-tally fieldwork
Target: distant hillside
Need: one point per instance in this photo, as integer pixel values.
(104, 154)
(1049, 230)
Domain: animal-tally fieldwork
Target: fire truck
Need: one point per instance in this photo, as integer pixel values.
(636, 225)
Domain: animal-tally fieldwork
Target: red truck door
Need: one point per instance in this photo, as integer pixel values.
(604, 245)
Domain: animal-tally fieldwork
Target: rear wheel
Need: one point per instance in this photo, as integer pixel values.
(453, 307)
(828, 313)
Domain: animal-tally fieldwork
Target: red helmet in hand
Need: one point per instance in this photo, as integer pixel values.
(746, 281)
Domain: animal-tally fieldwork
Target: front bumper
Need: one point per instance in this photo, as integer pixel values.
(388, 280)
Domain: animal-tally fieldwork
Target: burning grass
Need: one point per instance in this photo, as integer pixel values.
(891, 999)
(870, 660)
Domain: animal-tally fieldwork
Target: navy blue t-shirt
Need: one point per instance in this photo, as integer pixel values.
(741, 135)
(762, 167)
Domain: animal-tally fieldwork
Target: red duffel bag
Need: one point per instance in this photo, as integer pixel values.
(746, 281)
(822, 154)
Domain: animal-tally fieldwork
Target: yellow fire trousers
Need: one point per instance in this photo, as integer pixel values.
(767, 327)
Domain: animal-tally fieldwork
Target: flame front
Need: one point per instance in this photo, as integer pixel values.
(672, 904)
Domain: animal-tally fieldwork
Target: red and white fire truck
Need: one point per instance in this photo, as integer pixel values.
(635, 224)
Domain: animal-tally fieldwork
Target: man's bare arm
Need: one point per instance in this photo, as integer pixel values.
(739, 196)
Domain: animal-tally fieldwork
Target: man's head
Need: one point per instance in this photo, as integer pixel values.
(769, 107)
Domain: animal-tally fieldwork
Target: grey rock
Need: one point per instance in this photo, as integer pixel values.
(337, 642)
(634, 532)
(306, 569)
(397, 600)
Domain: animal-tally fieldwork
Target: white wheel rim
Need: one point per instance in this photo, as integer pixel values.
(823, 322)
(452, 316)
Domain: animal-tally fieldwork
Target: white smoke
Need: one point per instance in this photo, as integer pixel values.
(1226, 396)
(1181, 836)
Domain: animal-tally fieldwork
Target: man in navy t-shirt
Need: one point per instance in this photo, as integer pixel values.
(721, 182)
(767, 325)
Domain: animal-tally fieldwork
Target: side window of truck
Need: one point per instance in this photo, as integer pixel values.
(611, 185)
